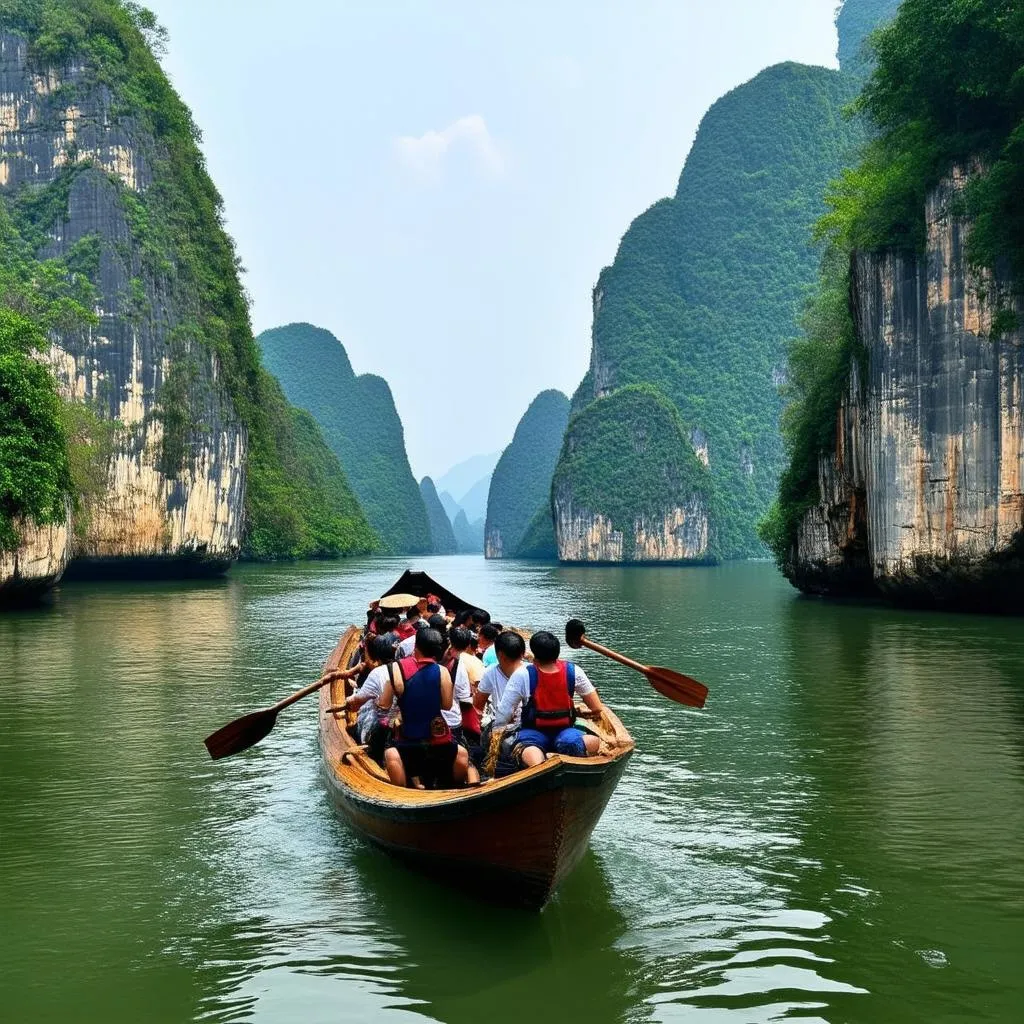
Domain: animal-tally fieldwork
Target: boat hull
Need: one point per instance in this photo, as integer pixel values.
(511, 841)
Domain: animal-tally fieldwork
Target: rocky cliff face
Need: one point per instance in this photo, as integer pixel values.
(629, 486)
(63, 135)
(37, 565)
(922, 500)
(680, 535)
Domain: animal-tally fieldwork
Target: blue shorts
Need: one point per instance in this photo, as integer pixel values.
(565, 741)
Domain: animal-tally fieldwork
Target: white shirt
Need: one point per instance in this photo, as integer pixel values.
(517, 693)
(407, 646)
(493, 683)
(463, 693)
(373, 687)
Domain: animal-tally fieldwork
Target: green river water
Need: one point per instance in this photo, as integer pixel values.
(839, 836)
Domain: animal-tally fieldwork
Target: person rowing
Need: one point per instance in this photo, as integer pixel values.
(546, 692)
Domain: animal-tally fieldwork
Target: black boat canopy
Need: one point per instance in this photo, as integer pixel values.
(420, 584)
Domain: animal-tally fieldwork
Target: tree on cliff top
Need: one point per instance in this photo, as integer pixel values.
(521, 483)
(946, 90)
(358, 417)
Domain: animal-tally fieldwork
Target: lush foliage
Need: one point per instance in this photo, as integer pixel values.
(441, 534)
(300, 505)
(820, 360)
(521, 483)
(358, 418)
(856, 21)
(708, 286)
(539, 541)
(178, 230)
(35, 475)
(629, 456)
(947, 89)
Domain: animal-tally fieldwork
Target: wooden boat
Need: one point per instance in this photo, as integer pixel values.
(510, 840)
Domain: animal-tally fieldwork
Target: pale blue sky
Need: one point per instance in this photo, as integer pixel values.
(440, 182)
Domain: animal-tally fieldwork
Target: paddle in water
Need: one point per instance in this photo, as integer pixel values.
(247, 731)
(673, 685)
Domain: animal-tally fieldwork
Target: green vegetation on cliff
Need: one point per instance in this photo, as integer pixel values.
(35, 473)
(177, 227)
(857, 20)
(708, 285)
(945, 91)
(521, 483)
(629, 456)
(441, 534)
(358, 418)
(539, 541)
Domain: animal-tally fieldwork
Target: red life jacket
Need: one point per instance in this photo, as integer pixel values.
(420, 702)
(405, 630)
(552, 703)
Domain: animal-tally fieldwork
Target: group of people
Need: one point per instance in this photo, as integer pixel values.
(436, 692)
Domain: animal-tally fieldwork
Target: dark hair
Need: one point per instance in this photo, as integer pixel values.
(460, 638)
(480, 617)
(433, 607)
(440, 623)
(498, 626)
(545, 646)
(461, 618)
(381, 649)
(430, 643)
(489, 632)
(413, 613)
(512, 645)
(387, 623)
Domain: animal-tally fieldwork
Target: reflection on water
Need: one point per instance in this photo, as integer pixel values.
(837, 837)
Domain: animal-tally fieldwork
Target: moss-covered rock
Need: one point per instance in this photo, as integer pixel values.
(629, 486)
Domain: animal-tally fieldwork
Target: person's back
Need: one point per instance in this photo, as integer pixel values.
(546, 692)
(426, 752)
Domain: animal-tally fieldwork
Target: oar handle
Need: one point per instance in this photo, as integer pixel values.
(614, 655)
(304, 692)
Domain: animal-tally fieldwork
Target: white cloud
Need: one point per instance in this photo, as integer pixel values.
(425, 154)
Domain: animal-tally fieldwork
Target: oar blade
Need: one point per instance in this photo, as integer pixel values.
(241, 734)
(677, 687)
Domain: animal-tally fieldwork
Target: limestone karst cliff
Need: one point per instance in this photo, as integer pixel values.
(113, 243)
(521, 484)
(628, 486)
(707, 286)
(442, 536)
(922, 499)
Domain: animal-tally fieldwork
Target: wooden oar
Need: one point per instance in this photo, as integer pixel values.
(247, 731)
(682, 689)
